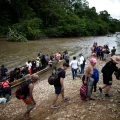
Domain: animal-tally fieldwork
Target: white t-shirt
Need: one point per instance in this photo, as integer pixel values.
(81, 59)
(37, 63)
(78, 63)
(74, 64)
(29, 65)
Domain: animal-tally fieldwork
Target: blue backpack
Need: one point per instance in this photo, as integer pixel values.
(95, 75)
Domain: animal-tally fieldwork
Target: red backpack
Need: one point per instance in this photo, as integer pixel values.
(21, 92)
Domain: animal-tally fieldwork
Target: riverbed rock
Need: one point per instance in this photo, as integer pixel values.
(90, 108)
(82, 117)
(75, 109)
(111, 100)
(93, 104)
(48, 118)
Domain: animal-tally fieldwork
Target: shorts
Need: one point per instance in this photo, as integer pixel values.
(28, 101)
(107, 80)
(58, 89)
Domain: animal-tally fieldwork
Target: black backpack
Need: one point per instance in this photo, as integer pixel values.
(103, 68)
(22, 90)
(54, 77)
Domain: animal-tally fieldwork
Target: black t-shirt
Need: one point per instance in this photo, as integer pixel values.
(61, 74)
(109, 68)
(3, 70)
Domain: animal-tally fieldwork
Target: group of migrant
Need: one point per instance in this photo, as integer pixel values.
(91, 84)
(30, 67)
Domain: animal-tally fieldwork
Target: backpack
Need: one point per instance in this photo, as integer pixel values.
(103, 69)
(95, 75)
(54, 77)
(83, 92)
(20, 92)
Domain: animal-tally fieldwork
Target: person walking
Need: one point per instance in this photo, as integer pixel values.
(98, 52)
(74, 67)
(26, 92)
(107, 71)
(101, 53)
(81, 63)
(89, 80)
(113, 51)
(59, 85)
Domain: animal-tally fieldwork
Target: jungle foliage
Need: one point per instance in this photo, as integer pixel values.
(33, 19)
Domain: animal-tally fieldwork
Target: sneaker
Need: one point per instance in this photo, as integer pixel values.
(66, 99)
(91, 99)
(100, 89)
(108, 95)
(54, 106)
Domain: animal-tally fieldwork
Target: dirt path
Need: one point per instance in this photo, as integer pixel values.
(75, 109)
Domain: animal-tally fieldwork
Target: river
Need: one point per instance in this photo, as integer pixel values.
(15, 54)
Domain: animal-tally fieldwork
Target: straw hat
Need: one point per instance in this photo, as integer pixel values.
(37, 58)
(116, 59)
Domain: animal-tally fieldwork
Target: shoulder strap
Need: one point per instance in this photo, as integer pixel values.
(23, 84)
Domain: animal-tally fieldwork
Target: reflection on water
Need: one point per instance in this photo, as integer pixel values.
(16, 54)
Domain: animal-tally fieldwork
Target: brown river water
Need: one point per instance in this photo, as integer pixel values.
(15, 54)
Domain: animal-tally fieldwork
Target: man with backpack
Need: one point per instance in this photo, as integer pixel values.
(59, 85)
(108, 70)
(25, 92)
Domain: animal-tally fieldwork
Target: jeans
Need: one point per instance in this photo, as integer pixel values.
(74, 73)
(82, 68)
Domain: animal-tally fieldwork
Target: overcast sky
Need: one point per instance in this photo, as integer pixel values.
(112, 6)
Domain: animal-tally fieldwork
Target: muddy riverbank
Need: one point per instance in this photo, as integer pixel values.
(75, 109)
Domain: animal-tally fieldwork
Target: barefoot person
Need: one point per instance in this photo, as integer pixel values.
(30, 102)
(107, 71)
(59, 85)
(25, 92)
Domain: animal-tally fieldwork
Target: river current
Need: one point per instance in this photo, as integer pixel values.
(15, 54)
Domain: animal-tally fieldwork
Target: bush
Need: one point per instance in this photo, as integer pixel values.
(31, 28)
(52, 32)
(14, 36)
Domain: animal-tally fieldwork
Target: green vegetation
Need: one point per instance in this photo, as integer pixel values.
(14, 36)
(33, 19)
